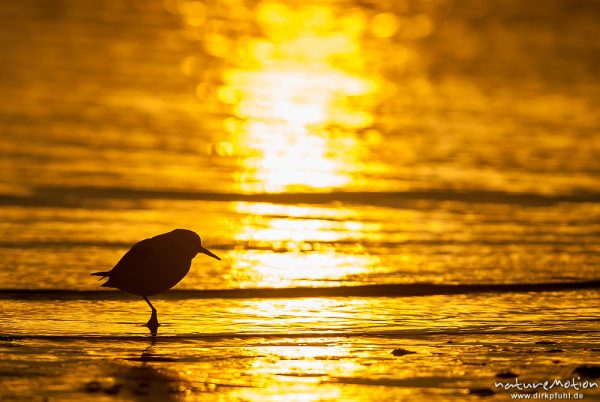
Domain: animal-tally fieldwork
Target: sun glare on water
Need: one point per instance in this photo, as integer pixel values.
(285, 115)
(308, 256)
(297, 95)
(295, 105)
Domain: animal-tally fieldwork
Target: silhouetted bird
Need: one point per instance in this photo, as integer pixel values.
(155, 265)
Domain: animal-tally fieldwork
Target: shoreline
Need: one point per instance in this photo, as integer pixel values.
(381, 290)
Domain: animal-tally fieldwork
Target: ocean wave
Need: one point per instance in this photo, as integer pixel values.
(380, 290)
(80, 196)
(269, 246)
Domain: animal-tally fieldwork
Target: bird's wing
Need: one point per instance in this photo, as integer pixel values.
(134, 259)
(149, 267)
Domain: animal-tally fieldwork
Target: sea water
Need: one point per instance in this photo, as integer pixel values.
(311, 144)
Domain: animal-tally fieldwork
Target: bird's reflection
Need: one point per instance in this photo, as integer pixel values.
(151, 354)
(153, 340)
(144, 380)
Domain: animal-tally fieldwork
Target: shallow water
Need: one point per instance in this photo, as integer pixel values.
(298, 349)
(314, 144)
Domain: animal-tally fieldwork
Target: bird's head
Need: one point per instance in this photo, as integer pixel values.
(191, 242)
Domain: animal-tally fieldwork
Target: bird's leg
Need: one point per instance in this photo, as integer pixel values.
(152, 323)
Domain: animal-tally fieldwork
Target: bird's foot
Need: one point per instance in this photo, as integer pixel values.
(153, 324)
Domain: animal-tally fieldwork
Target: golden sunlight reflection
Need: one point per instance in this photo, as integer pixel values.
(260, 268)
(299, 315)
(296, 246)
(283, 114)
(301, 362)
(297, 98)
(297, 94)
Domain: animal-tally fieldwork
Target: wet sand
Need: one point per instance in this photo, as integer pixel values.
(442, 367)
(442, 347)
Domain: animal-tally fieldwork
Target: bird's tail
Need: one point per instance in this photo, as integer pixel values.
(103, 274)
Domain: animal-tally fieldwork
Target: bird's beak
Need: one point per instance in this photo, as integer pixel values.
(207, 252)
